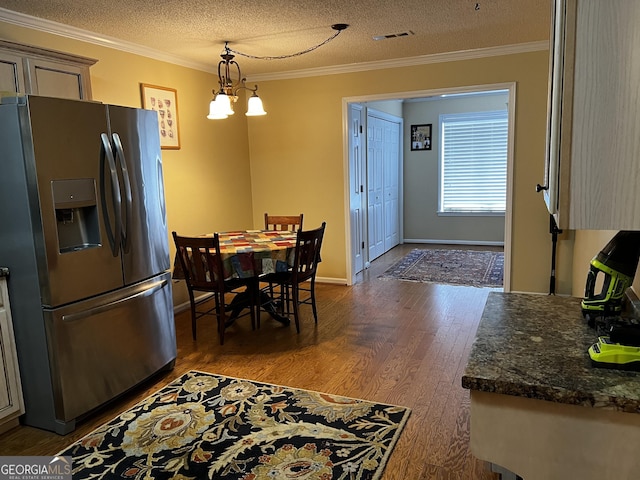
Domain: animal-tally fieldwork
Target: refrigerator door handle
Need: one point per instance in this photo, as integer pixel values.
(110, 305)
(128, 198)
(114, 237)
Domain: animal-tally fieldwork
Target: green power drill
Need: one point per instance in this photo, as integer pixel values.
(618, 262)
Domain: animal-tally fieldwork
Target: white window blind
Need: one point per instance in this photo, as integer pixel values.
(473, 162)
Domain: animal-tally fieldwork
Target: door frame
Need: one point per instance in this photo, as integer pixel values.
(508, 215)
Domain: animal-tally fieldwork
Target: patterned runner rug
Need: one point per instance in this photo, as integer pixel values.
(211, 426)
(475, 268)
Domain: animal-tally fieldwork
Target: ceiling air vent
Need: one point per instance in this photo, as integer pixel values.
(393, 35)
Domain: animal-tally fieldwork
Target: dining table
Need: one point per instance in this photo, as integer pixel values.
(250, 254)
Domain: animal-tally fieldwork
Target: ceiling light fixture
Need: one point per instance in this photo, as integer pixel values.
(221, 105)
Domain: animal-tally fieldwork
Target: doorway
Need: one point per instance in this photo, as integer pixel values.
(357, 211)
(375, 166)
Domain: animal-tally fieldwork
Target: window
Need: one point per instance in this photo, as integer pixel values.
(473, 162)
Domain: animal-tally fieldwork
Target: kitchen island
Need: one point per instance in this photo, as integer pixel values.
(538, 407)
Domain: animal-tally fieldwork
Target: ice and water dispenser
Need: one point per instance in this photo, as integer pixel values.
(76, 207)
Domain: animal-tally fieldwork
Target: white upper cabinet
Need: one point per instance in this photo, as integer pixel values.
(11, 75)
(593, 141)
(33, 70)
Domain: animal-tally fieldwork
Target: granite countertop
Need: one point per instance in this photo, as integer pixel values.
(4, 272)
(535, 346)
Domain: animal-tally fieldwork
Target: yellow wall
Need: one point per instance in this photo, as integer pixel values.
(293, 159)
(587, 245)
(299, 147)
(207, 181)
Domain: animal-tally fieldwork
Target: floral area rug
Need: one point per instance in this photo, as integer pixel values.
(211, 426)
(453, 267)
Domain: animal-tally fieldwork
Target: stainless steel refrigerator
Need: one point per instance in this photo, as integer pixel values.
(83, 231)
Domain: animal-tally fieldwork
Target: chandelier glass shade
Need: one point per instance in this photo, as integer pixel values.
(221, 105)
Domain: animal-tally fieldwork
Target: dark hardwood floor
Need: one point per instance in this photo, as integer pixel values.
(388, 341)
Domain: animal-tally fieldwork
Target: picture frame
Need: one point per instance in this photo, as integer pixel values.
(164, 101)
(421, 137)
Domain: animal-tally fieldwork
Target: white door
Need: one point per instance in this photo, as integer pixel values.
(357, 203)
(383, 176)
(375, 186)
(391, 154)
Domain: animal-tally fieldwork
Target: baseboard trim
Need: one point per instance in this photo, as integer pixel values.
(332, 280)
(487, 243)
(181, 307)
(187, 305)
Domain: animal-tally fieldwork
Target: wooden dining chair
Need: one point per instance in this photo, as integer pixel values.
(290, 223)
(204, 272)
(305, 264)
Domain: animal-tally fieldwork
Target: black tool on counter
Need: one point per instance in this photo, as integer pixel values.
(618, 344)
(617, 262)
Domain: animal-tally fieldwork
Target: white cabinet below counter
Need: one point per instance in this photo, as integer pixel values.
(11, 403)
(592, 175)
(538, 407)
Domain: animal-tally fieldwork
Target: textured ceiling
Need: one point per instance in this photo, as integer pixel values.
(197, 29)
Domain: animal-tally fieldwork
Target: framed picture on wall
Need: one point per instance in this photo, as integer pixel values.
(421, 137)
(164, 101)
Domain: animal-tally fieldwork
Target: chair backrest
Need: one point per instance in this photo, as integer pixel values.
(201, 264)
(307, 254)
(289, 223)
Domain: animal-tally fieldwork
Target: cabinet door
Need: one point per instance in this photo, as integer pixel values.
(559, 118)
(10, 389)
(11, 77)
(593, 136)
(53, 79)
(605, 145)
(554, 114)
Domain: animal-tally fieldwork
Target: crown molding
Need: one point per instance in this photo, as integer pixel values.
(407, 61)
(55, 28)
(67, 31)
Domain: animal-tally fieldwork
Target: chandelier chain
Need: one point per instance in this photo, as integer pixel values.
(281, 57)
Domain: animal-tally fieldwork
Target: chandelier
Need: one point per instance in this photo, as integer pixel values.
(221, 105)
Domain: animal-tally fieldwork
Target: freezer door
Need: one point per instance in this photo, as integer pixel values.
(145, 239)
(71, 187)
(100, 348)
